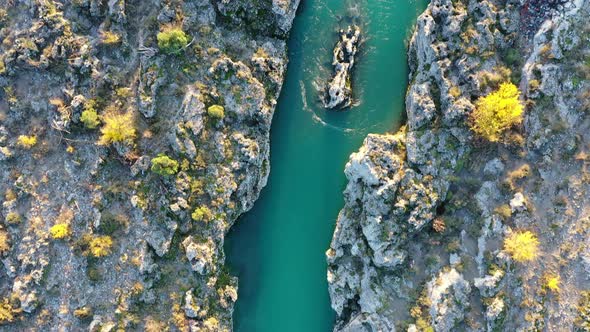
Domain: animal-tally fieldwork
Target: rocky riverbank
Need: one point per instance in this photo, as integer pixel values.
(419, 243)
(132, 135)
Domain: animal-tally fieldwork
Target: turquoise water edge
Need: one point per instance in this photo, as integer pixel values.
(278, 248)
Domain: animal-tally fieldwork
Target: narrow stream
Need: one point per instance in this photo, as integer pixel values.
(277, 249)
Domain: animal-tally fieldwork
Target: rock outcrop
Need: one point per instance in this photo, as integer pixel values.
(418, 245)
(132, 135)
(339, 90)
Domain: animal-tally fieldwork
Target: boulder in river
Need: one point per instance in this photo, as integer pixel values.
(339, 90)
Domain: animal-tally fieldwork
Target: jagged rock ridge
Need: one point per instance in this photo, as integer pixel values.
(418, 245)
(133, 248)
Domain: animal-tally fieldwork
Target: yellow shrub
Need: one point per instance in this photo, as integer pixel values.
(27, 142)
(101, 246)
(60, 231)
(497, 112)
(552, 282)
(522, 246)
(117, 128)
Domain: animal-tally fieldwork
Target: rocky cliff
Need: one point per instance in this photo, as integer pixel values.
(132, 135)
(419, 243)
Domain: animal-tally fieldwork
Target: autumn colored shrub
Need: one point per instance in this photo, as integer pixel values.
(7, 312)
(497, 112)
(503, 211)
(83, 312)
(4, 242)
(117, 128)
(110, 38)
(582, 322)
(439, 225)
(522, 246)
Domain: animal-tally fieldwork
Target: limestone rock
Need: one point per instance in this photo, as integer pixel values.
(339, 90)
(449, 296)
(59, 57)
(398, 183)
(518, 202)
(200, 255)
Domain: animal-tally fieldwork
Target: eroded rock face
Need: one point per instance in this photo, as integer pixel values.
(390, 267)
(131, 237)
(448, 294)
(268, 17)
(339, 90)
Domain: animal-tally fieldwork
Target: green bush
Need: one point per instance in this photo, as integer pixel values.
(172, 40)
(216, 111)
(202, 214)
(512, 57)
(164, 165)
(89, 116)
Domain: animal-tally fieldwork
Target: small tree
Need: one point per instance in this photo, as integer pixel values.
(172, 39)
(497, 112)
(522, 246)
(164, 165)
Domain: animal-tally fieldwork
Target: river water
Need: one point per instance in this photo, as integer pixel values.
(277, 249)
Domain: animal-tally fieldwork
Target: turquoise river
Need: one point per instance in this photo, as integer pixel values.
(278, 248)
